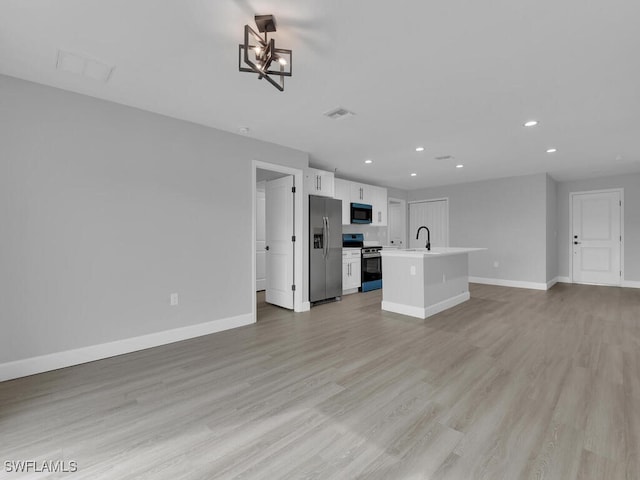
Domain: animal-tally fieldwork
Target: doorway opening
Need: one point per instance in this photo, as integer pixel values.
(597, 234)
(277, 237)
(397, 223)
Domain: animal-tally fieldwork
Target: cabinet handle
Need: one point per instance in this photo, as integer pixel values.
(379, 217)
(320, 178)
(317, 183)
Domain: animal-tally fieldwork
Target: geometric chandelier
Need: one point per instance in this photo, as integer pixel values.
(258, 54)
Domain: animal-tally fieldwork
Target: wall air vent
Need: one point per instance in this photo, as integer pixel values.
(338, 113)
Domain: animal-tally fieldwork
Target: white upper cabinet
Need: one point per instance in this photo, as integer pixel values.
(361, 193)
(343, 192)
(319, 182)
(379, 204)
(353, 192)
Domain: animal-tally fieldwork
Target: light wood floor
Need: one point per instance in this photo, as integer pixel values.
(513, 384)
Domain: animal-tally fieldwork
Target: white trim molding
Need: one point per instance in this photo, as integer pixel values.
(508, 283)
(552, 282)
(563, 279)
(68, 358)
(630, 284)
(426, 312)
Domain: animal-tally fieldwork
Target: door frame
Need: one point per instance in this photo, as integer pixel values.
(607, 190)
(405, 210)
(298, 276)
(440, 199)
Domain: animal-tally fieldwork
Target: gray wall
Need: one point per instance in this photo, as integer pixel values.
(552, 228)
(631, 185)
(105, 210)
(508, 216)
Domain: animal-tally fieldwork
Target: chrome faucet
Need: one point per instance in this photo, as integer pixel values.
(428, 236)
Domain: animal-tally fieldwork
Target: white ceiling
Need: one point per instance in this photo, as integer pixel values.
(457, 77)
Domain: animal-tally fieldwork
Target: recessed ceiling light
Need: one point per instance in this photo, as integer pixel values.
(414, 174)
(368, 161)
(531, 123)
(460, 166)
(552, 150)
(419, 149)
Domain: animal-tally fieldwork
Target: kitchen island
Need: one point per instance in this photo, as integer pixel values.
(421, 283)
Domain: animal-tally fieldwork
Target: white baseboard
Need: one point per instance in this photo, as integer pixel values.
(563, 279)
(508, 283)
(53, 361)
(349, 291)
(426, 312)
(306, 306)
(630, 284)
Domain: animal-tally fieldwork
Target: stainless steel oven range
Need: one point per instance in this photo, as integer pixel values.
(371, 268)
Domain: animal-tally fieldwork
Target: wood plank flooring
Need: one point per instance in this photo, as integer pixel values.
(513, 384)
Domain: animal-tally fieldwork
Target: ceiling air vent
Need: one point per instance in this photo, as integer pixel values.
(444, 157)
(84, 66)
(338, 113)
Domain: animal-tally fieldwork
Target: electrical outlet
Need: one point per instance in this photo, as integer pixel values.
(444, 278)
(412, 270)
(173, 299)
(496, 264)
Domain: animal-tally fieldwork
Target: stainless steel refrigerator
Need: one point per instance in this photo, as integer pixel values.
(325, 249)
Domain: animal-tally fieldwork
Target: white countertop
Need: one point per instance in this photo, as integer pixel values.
(423, 252)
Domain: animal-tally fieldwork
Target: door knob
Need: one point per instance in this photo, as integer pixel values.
(267, 247)
(576, 243)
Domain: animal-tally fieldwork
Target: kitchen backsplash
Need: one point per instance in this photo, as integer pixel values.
(378, 234)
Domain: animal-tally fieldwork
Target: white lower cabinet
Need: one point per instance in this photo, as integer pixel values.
(351, 264)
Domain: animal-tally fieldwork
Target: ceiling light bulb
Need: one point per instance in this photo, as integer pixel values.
(368, 161)
(531, 123)
(552, 150)
(460, 166)
(282, 61)
(414, 174)
(419, 149)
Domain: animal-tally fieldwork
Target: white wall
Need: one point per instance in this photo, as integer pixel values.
(631, 185)
(508, 216)
(105, 210)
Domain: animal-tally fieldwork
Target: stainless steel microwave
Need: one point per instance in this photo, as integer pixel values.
(361, 213)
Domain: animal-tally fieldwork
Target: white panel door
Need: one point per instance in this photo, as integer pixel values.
(261, 253)
(596, 238)
(397, 223)
(279, 231)
(433, 214)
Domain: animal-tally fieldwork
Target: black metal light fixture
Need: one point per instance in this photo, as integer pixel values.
(258, 54)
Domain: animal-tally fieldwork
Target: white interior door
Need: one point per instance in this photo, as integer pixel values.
(397, 229)
(433, 214)
(261, 253)
(596, 237)
(279, 230)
